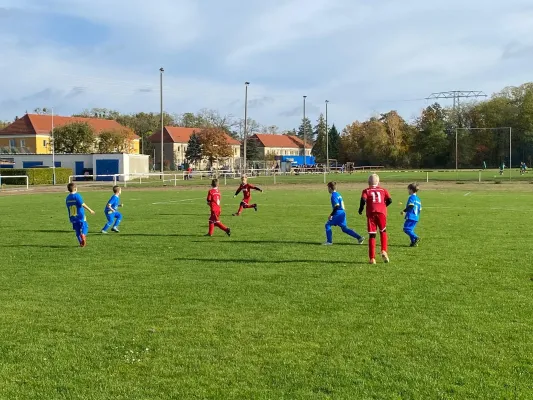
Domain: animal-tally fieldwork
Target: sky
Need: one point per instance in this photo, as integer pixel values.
(363, 56)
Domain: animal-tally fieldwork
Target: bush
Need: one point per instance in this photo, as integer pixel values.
(37, 176)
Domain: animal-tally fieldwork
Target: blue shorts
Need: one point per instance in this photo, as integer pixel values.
(409, 225)
(111, 216)
(338, 219)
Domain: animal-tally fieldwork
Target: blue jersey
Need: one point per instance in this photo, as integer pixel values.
(76, 212)
(413, 213)
(113, 202)
(337, 201)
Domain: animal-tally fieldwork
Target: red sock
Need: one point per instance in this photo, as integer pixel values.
(240, 209)
(249, 205)
(221, 226)
(372, 248)
(211, 229)
(383, 238)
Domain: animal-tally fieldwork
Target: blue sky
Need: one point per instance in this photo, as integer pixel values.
(364, 56)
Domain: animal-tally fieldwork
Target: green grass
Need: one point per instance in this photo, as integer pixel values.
(161, 312)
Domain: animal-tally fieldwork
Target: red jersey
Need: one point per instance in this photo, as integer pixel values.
(213, 199)
(246, 189)
(376, 199)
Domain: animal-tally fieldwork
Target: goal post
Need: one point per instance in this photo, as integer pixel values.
(25, 177)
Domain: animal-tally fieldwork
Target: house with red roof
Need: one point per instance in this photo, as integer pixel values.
(281, 145)
(31, 134)
(175, 142)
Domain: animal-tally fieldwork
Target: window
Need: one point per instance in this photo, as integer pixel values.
(44, 143)
(12, 143)
(22, 143)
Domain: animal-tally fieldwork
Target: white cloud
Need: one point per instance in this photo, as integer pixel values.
(164, 24)
(364, 56)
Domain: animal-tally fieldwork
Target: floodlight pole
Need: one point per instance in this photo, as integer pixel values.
(161, 70)
(510, 153)
(327, 138)
(245, 133)
(53, 151)
(456, 158)
(304, 126)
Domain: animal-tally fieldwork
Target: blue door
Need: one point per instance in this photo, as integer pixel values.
(106, 167)
(31, 164)
(79, 170)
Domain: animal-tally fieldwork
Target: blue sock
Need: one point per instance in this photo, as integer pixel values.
(329, 234)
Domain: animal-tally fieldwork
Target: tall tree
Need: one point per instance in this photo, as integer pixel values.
(194, 149)
(252, 127)
(77, 137)
(319, 148)
(115, 141)
(145, 124)
(430, 146)
(291, 132)
(96, 112)
(215, 146)
(334, 143)
(252, 149)
(307, 128)
(208, 118)
(271, 130)
(397, 130)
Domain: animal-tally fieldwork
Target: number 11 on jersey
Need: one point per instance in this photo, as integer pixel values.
(376, 197)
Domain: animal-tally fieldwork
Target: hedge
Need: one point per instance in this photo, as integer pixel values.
(36, 176)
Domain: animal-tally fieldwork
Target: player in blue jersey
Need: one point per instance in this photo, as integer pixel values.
(412, 214)
(338, 216)
(111, 211)
(76, 213)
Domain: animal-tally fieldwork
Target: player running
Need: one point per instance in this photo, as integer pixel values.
(246, 189)
(213, 201)
(338, 216)
(76, 213)
(377, 199)
(111, 211)
(412, 214)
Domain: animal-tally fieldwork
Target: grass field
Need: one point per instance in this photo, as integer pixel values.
(161, 312)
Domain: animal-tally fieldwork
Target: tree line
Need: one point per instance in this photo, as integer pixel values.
(80, 137)
(479, 130)
(426, 141)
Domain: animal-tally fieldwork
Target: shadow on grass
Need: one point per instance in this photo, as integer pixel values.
(160, 234)
(184, 214)
(46, 230)
(291, 242)
(257, 261)
(48, 246)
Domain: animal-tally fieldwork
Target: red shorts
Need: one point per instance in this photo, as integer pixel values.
(376, 221)
(246, 200)
(215, 216)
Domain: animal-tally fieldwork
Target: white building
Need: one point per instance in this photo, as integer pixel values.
(281, 145)
(81, 164)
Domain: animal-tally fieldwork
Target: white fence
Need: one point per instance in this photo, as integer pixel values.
(173, 178)
(4, 177)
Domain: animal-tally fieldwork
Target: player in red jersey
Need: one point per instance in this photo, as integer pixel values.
(246, 189)
(213, 201)
(377, 200)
